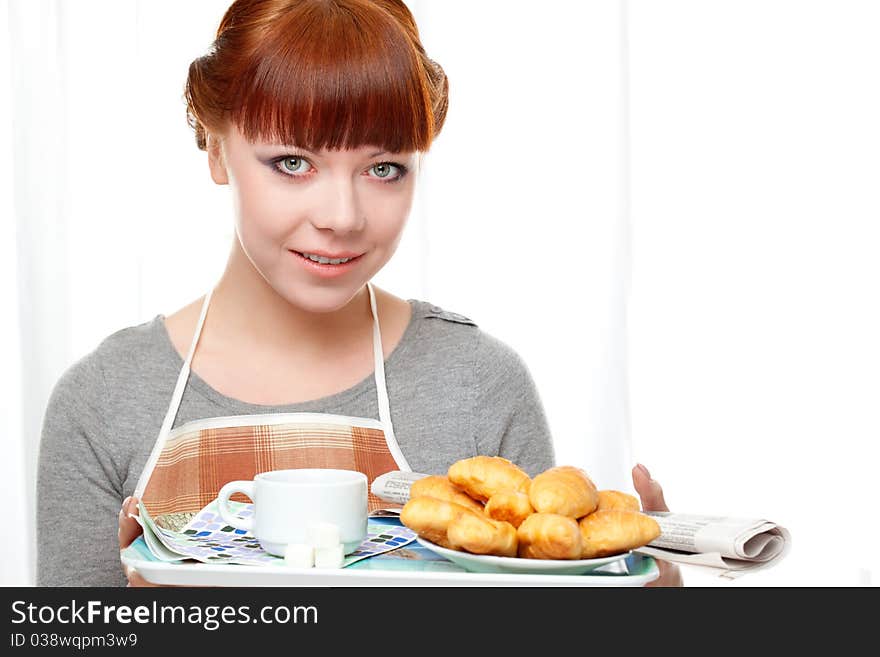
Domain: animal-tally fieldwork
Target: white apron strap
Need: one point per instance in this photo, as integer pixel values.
(379, 373)
(171, 414)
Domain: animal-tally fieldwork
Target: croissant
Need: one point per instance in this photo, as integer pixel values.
(549, 536)
(483, 476)
(512, 506)
(615, 499)
(565, 490)
(440, 487)
(429, 517)
(612, 531)
(482, 535)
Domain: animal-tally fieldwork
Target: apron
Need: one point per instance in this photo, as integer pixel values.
(188, 466)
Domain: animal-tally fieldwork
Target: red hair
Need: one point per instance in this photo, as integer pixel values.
(335, 74)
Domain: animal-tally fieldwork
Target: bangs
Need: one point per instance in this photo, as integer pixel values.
(339, 79)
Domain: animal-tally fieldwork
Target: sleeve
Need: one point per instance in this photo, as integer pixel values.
(510, 420)
(79, 489)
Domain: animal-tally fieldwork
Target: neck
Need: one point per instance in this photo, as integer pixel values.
(246, 311)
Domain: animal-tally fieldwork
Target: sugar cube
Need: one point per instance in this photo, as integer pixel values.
(299, 555)
(330, 557)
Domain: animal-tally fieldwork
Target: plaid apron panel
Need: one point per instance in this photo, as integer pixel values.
(194, 466)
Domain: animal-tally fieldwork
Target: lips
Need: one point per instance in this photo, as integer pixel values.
(326, 270)
(331, 256)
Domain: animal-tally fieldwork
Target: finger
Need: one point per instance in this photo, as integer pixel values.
(136, 579)
(129, 529)
(670, 575)
(649, 490)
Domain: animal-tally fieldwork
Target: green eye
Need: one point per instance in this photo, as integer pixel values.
(384, 167)
(290, 164)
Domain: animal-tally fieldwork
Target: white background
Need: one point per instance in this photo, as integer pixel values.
(669, 208)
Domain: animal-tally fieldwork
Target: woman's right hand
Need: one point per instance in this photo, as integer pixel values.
(129, 529)
(651, 496)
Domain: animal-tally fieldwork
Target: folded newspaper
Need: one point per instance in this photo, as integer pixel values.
(731, 547)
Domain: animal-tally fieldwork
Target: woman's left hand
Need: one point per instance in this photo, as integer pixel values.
(129, 529)
(651, 495)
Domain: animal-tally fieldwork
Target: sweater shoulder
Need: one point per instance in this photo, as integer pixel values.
(111, 365)
(445, 330)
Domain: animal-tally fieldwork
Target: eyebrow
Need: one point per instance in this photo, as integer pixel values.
(306, 150)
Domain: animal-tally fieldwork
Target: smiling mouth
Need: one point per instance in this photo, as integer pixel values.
(323, 260)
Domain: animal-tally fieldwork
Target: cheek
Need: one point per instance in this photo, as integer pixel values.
(394, 214)
(390, 228)
(259, 208)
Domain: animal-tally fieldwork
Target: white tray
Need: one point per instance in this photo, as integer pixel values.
(635, 570)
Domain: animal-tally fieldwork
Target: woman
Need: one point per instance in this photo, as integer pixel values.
(316, 115)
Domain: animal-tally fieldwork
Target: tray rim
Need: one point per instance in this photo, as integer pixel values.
(204, 574)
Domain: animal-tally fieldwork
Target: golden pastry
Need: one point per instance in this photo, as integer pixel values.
(482, 535)
(429, 517)
(565, 490)
(612, 531)
(440, 487)
(615, 499)
(483, 476)
(549, 536)
(512, 506)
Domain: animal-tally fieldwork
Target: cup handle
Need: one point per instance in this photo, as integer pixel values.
(246, 487)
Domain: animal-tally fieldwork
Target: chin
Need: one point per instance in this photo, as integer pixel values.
(319, 298)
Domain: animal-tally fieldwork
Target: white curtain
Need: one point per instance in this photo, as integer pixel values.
(755, 306)
(110, 216)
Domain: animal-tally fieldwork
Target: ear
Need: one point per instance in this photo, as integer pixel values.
(216, 160)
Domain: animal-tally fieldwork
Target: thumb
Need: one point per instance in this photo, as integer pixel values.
(650, 491)
(129, 529)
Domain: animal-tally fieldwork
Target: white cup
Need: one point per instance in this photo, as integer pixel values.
(287, 502)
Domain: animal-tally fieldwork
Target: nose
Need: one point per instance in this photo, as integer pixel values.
(341, 211)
